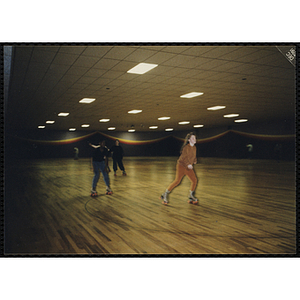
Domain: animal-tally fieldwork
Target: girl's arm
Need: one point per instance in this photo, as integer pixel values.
(184, 158)
(94, 146)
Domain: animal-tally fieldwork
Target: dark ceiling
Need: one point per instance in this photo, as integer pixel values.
(257, 82)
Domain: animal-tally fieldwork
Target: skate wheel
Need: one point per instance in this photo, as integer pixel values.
(165, 203)
(192, 202)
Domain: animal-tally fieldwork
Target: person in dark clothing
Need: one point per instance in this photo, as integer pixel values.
(250, 151)
(117, 156)
(76, 151)
(99, 163)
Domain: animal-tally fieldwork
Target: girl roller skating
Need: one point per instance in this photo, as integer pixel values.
(184, 167)
(100, 164)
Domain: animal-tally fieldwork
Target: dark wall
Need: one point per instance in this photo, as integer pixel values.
(233, 145)
(16, 147)
(211, 142)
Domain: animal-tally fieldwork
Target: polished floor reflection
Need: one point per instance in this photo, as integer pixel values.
(246, 207)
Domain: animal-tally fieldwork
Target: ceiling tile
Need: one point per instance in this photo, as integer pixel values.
(45, 80)
(179, 60)
(123, 66)
(175, 49)
(96, 51)
(219, 52)
(214, 64)
(77, 71)
(106, 63)
(22, 53)
(140, 55)
(72, 49)
(159, 58)
(119, 51)
(64, 59)
(85, 61)
(196, 50)
(58, 68)
(95, 72)
(41, 55)
(112, 74)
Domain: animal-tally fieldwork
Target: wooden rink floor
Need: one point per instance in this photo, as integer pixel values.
(246, 207)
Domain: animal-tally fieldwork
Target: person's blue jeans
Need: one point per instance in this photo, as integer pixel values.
(99, 166)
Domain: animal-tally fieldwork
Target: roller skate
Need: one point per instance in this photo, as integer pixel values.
(108, 191)
(192, 198)
(115, 174)
(164, 197)
(94, 193)
(124, 173)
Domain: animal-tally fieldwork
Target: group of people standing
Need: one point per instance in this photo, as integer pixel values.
(99, 163)
(184, 167)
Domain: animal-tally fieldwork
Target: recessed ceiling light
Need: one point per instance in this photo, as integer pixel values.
(50, 122)
(131, 130)
(142, 68)
(41, 126)
(85, 125)
(164, 118)
(184, 122)
(198, 126)
(104, 120)
(72, 129)
(191, 95)
(216, 107)
(135, 111)
(153, 127)
(87, 100)
(241, 120)
(169, 129)
(63, 114)
(111, 128)
(231, 115)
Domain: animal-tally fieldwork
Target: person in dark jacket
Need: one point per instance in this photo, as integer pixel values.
(117, 156)
(99, 163)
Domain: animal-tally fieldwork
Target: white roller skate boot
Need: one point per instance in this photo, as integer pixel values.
(108, 191)
(164, 197)
(192, 198)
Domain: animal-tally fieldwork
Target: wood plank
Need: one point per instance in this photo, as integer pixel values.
(246, 207)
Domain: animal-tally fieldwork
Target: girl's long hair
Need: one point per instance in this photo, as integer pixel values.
(186, 140)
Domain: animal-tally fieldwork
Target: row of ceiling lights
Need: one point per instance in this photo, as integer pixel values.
(142, 68)
(155, 126)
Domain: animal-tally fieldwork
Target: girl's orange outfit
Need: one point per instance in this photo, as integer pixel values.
(187, 157)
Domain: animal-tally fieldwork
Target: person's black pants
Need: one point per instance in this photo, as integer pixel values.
(118, 162)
